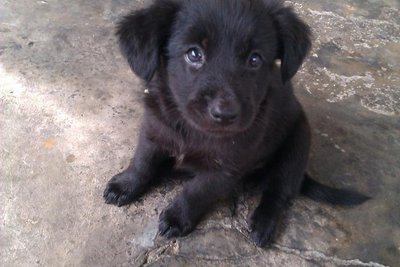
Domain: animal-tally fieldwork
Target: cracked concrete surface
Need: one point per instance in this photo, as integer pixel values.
(69, 114)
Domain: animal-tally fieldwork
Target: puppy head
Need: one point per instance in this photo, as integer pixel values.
(218, 55)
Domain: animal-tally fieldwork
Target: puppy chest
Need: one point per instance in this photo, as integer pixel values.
(205, 155)
(197, 161)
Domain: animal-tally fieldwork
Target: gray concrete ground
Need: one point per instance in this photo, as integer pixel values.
(69, 114)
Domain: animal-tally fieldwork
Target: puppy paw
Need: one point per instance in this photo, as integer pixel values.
(174, 221)
(262, 228)
(121, 189)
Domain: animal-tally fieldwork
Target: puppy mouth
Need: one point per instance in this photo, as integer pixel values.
(222, 132)
(214, 127)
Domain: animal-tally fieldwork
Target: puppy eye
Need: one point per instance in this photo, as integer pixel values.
(194, 56)
(255, 60)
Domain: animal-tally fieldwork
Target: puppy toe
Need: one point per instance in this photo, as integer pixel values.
(163, 227)
(168, 228)
(173, 223)
(261, 238)
(111, 193)
(119, 191)
(262, 229)
(173, 232)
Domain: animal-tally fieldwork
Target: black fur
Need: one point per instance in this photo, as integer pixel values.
(219, 107)
(323, 193)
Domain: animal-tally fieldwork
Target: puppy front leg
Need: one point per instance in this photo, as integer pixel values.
(199, 195)
(128, 185)
(285, 174)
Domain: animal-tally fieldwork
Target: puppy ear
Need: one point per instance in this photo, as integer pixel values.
(143, 35)
(294, 40)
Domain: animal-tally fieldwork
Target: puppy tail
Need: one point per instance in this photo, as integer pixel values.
(323, 193)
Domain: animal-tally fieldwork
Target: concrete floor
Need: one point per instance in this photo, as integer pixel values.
(69, 115)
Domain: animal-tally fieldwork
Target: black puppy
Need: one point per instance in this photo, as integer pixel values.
(219, 106)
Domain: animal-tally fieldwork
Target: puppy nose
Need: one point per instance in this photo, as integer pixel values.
(224, 113)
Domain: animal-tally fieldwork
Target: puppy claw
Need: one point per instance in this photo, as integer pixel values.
(172, 232)
(233, 205)
(262, 228)
(163, 228)
(261, 239)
